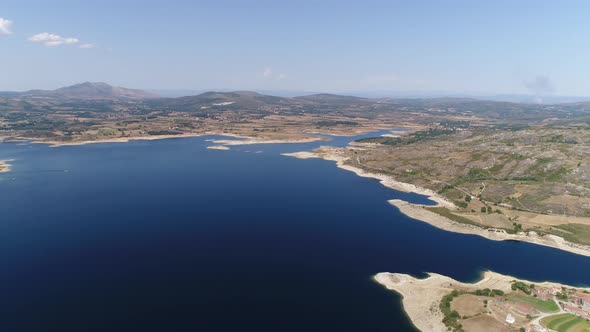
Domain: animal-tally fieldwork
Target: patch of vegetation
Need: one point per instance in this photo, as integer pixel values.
(519, 285)
(461, 204)
(107, 132)
(525, 178)
(557, 175)
(381, 140)
(476, 174)
(333, 123)
(576, 233)
(163, 132)
(410, 139)
(488, 292)
(562, 296)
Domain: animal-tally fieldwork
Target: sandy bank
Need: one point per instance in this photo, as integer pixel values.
(55, 144)
(418, 212)
(421, 297)
(241, 140)
(249, 141)
(218, 147)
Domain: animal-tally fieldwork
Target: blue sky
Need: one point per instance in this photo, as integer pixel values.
(489, 47)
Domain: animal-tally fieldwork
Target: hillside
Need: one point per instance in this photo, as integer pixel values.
(85, 90)
(98, 111)
(222, 100)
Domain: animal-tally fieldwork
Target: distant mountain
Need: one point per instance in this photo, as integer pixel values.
(230, 100)
(8, 94)
(104, 97)
(175, 93)
(328, 98)
(88, 90)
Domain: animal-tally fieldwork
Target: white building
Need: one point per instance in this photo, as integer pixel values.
(510, 319)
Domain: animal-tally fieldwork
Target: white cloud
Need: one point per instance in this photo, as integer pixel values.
(5, 26)
(267, 72)
(50, 39)
(87, 45)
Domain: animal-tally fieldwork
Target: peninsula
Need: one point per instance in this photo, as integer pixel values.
(495, 303)
(529, 184)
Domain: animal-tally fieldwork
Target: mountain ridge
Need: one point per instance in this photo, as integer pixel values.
(85, 90)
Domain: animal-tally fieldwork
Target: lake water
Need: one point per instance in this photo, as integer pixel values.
(169, 236)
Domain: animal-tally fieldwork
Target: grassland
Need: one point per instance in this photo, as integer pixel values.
(576, 233)
(566, 323)
(543, 306)
(445, 212)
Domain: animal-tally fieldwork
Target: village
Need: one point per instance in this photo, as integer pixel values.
(529, 307)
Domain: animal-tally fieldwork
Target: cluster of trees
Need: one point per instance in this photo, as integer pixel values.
(488, 292)
(519, 285)
(451, 319)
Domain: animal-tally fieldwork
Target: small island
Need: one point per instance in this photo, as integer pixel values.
(495, 303)
(4, 166)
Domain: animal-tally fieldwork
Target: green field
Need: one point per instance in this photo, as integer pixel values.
(544, 306)
(443, 211)
(566, 323)
(576, 233)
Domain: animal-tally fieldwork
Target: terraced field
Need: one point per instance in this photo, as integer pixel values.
(566, 323)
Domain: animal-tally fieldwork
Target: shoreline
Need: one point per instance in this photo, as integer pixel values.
(241, 140)
(244, 140)
(56, 144)
(421, 297)
(385, 180)
(416, 211)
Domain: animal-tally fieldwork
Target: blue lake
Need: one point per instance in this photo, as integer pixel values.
(169, 236)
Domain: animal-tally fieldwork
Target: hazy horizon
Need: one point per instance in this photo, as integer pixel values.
(499, 48)
(519, 98)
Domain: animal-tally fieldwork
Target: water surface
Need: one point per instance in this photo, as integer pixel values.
(169, 236)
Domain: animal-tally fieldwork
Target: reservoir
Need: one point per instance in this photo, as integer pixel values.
(167, 235)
